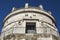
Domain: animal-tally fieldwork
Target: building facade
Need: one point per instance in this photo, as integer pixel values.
(29, 23)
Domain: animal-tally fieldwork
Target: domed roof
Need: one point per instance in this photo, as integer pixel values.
(29, 9)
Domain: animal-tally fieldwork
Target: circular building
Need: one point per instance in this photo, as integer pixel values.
(29, 23)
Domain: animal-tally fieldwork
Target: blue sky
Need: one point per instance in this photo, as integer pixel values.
(50, 5)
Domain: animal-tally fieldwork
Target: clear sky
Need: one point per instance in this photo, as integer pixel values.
(50, 5)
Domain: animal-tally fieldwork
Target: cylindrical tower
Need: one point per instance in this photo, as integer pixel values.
(29, 23)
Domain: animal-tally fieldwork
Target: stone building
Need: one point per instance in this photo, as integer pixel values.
(29, 23)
